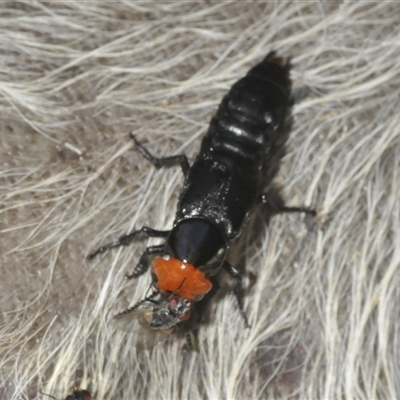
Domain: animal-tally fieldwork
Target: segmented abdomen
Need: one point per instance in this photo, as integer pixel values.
(224, 182)
(255, 106)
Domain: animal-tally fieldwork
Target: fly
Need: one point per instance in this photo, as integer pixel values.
(220, 191)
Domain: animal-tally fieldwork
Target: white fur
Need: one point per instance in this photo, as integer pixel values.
(322, 297)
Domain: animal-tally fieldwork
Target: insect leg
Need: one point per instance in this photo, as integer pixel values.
(48, 395)
(143, 264)
(281, 208)
(159, 162)
(124, 240)
(238, 289)
(192, 341)
(306, 210)
(137, 305)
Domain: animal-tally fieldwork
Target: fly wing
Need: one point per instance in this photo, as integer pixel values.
(137, 322)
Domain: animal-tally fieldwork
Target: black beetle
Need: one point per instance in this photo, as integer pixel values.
(220, 191)
(75, 394)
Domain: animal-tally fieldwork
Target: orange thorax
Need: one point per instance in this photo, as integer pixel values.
(183, 279)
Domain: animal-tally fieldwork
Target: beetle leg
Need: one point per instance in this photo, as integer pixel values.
(124, 240)
(159, 162)
(48, 395)
(143, 264)
(306, 210)
(281, 208)
(238, 289)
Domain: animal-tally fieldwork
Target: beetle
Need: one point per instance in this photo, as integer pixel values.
(79, 394)
(220, 191)
(75, 394)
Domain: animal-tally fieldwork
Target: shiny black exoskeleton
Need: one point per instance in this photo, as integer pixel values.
(221, 188)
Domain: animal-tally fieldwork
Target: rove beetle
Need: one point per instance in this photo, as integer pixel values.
(75, 394)
(220, 191)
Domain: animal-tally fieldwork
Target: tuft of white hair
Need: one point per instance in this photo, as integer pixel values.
(322, 296)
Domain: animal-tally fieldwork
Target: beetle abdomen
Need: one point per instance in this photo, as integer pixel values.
(224, 182)
(255, 106)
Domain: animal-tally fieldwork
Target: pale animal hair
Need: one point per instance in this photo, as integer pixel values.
(322, 295)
